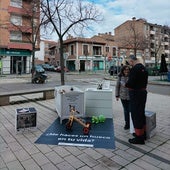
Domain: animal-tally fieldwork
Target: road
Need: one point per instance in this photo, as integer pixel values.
(83, 79)
(159, 89)
(87, 79)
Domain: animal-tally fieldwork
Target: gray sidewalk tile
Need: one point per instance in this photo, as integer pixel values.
(49, 166)
(31, 149)
(65, 165)
(30, 164)
(134, 153)
(40, 158)
(74, 150)
(44, 148)
(14, 146)
(15, 165)
(22, 155)
(84, 168)
(109, 163)
(61, 151)
(145, 165)
(120, 160)
(94, 154)
(151, 160)
(106, 152)
(2, 163)
(164, 166)
(19, 150)
(54, 157)
(8, 156)
(132, 166)
(74, 161)
(88, 160)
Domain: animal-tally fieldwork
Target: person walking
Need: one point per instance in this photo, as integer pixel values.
(137, 84)
(122, 93)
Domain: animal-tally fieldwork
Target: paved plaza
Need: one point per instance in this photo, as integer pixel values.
(18, 150)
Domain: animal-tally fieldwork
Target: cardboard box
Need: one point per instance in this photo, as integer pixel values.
(150, 124)
(25, 118)
(69, 98)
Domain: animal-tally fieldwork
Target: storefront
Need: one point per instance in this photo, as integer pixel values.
(15, 61)
(91, 63)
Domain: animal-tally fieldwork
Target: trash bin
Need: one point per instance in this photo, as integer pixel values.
(168, 75)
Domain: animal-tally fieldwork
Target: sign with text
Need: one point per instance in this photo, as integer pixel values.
(101, 135)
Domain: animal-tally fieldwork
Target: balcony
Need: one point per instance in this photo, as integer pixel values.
(21, 11)
(23, 29)
(167, 51)
(152, 32)
(20, 45)
(166, 43)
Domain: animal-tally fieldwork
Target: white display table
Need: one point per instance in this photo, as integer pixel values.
(69, 98)
(99, 102)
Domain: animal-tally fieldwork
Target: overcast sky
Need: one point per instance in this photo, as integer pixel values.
(116, 12)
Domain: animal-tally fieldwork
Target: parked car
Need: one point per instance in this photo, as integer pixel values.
(58, 69)
(114, 70)
(39, 69)
(51, 68)
(48, 67)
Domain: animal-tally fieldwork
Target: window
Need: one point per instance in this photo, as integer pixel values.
(72, 49)
(16, 3)
(16, 20)
(15, 35)
(97, 50)
(107, 49)
(114, 51)
(85, 50)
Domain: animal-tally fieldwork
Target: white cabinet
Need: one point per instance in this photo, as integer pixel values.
(99, 102)
(69, 98)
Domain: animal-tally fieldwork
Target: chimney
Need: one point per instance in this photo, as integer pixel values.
(134, 18)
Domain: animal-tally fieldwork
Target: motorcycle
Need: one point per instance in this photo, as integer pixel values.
(39, 78)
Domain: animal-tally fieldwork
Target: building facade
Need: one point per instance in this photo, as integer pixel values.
(44, 54)
(87, 54)
(146, 40)
(18, 22)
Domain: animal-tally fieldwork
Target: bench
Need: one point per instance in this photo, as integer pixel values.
(48, 93)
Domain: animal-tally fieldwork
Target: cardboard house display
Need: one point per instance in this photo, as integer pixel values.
(69, 98)
(25, 118)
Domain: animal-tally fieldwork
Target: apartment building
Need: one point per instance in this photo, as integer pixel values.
(44, 54)
(18, 22)
(87, 54)
(146, 40)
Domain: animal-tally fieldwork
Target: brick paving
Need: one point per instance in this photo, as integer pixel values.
(18, 150)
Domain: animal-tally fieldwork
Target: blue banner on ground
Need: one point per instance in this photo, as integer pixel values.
(101, 135)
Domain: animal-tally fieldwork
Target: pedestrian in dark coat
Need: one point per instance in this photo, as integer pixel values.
(137, 84)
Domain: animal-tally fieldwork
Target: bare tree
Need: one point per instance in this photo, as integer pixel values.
(157, 50)
(65, 16)
(133, 37)
(158, 47)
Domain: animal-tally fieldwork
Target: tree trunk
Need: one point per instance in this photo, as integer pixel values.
(62, 61)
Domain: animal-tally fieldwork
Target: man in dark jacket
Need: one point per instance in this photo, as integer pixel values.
(137, 83)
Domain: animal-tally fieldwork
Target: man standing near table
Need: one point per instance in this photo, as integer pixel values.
(137, 84)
